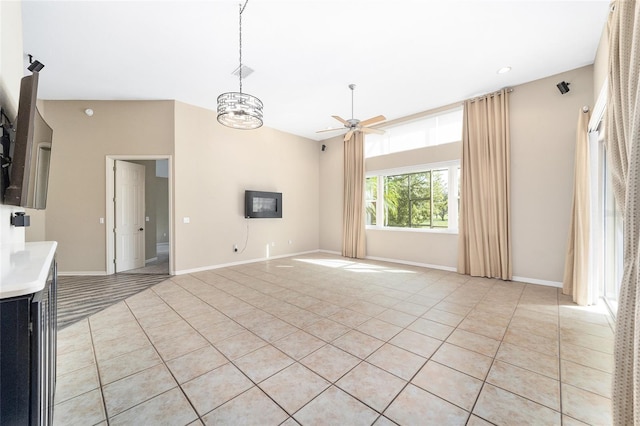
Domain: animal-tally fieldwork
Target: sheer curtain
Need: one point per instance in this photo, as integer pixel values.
(623, 151)
(484, 244)
(353, 219)
(576, 268)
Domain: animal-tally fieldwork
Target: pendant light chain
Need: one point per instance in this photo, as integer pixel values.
(241, 8)
(240, 110)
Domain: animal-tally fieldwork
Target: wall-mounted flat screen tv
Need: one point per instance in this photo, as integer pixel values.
(261, 204)
(31, 152)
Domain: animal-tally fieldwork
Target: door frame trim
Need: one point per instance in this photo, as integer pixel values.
(110, 161)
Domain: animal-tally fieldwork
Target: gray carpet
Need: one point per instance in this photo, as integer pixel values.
(81, 296)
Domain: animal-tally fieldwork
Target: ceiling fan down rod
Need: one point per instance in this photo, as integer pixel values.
(352, 87)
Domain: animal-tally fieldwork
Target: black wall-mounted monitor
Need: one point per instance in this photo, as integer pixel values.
(31, 152)
(261, 204)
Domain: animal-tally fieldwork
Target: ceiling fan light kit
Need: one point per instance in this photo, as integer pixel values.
(239, 110)
(355, 125)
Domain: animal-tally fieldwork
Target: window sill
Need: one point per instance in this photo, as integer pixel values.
(416, 230)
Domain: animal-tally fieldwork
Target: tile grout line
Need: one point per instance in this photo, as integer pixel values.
(230, 361)
(240, 296)
(95, 360)
(493, 360)
(164, 363)
(409, 382)
(559, 355)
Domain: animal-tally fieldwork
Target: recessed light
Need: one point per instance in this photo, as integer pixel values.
(504, 70)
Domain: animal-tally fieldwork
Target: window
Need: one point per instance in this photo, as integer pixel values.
(436, 129)
(414, 199)
(613, 242)
(371, 200)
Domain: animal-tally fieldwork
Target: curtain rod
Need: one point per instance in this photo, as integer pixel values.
(490, 95)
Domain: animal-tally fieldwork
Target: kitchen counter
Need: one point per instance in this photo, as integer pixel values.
(24, 267)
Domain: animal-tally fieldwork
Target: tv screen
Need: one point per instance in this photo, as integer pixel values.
(261, 204)
(31, 152)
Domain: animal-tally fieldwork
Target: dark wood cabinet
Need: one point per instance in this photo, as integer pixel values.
(28, 330)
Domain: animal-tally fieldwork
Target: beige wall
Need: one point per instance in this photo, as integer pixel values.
(427, 248)
(331, 194)
(212, 168)
(11, 71)
(214, 165)
(543, 138)
(543, 124)
(77, 185)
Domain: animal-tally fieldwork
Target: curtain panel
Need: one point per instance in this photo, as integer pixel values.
(353, 217)
(576, 269)
(484, 244)
(623, 151)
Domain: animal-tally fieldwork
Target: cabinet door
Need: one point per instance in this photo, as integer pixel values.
(43, 352)
(14, 361)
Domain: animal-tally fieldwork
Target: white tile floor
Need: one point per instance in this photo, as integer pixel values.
(321, 339)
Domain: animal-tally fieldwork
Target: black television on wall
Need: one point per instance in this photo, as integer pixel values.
(262, 204)
(30, 153)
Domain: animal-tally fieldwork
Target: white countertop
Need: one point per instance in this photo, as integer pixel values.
(24, 267)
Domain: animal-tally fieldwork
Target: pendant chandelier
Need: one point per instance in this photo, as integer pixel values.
(236, 109)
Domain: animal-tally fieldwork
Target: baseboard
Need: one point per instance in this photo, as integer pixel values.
(410, 263)
(153, 259)
(80, 273)
(337, 253)
(380, 259)
(401, 262)
(537, 281)
(451, 269)
(242, 262)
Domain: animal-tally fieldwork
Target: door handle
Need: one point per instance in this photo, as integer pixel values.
(141, 229)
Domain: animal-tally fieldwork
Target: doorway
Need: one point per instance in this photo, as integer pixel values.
(138, 227)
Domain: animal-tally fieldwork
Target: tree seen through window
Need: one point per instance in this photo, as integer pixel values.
(411, 200)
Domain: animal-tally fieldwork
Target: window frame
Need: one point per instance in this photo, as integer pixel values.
(453, 167)
(387, 144)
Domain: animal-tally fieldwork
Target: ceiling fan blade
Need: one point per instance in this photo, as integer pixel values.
(347, 136)
(340, 119)
(371, 130)
(373, 120)
(330, 130)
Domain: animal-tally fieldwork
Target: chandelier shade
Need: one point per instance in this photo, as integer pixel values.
(239, 110)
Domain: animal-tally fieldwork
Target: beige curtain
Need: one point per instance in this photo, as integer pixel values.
(353, 219)
(576, 267)
(623, 151)
(484, 245)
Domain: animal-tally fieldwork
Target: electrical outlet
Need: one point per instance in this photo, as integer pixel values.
(290, 242)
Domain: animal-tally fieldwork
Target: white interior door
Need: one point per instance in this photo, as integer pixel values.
(129, 216)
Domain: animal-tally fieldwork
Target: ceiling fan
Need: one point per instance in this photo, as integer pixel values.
(354, 125)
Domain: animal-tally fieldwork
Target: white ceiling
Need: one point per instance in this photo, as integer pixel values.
(404, 56)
